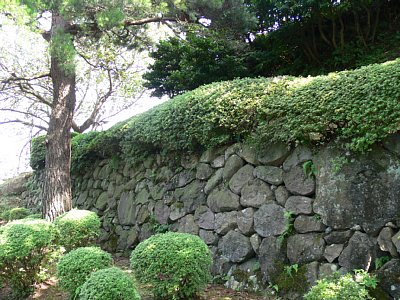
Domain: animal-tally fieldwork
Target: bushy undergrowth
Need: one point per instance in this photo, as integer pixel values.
(24, 245)
(78, 228)
(360, 106)
(76, 266)
(348, 286)
(174, 265)
(111, 283)
(15, 213)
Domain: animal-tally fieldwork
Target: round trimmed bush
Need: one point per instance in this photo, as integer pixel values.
(175, 265)
(76, 266)
(111, 283)
(78, 228)
(342, 287)
(24, 245)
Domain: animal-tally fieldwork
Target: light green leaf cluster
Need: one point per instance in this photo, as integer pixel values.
(24, 245)
(175, 265)
(75, 267)
(360, 107)
(62, 48)
(78, 228)
(111, 283)
(343, 287)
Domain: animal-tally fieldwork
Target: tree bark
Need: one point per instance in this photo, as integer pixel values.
(57, 183)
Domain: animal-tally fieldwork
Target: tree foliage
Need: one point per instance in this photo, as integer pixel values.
(77, 25)
(307, 37)
(185, 64)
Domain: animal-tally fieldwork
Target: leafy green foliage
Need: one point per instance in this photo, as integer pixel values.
(111, 283)
(15, 213)
(175, 265)
(380, 261)
(76, 266)
(360, 107)
(343, 287)
(78, 228)
(184, 64)
(289, 278)
(24, 245)
(38, 152)
(62, 48)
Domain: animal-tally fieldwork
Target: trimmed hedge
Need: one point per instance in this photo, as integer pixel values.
(174, 265)
(78, 228)
(75, 267)
(24, 245)
(111, 283)
(360, 107)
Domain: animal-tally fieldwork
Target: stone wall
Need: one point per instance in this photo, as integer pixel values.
(258, 212)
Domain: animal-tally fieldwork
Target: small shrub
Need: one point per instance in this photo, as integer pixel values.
(111, 283)
(24, 245)
(343, 287)
(175, 265)
(15, 213)
(78, 228)
(76, 266)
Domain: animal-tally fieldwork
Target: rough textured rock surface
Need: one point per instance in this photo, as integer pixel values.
(273, 154)
(389, 279)
(299, 155)
(235, 246)
(255, 193)
(385, 241)
(272, 175)
(225, 222)
(333, 251)
(240, 178)
(298, 183)
(272, 254)
(304, 224)
(360, 253)
(222, 199)
(348, 194)
(126, 209)
(299, 205)
(305, 248)
(269, 220)
(232, 165)
(245, 221)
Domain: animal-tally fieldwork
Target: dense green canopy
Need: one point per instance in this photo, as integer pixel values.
(360, 107)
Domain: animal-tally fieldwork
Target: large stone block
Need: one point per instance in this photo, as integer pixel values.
(240, 178)
(360, 252)
(245, 221)
(305, 248)
(305, 224)
(272, 255)
(225, 222)
(256, 193)
(299, 155)
(222, 199)
(235, 246)
(273, 154)
(232, 165)
(298, 183)
(363, 190)
(299, 205)
(270, 174)
(269, 220)
(126, 209)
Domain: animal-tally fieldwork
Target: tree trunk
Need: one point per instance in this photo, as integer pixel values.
(57, 183)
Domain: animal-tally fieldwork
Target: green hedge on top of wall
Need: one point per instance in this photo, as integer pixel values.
(361, 106)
